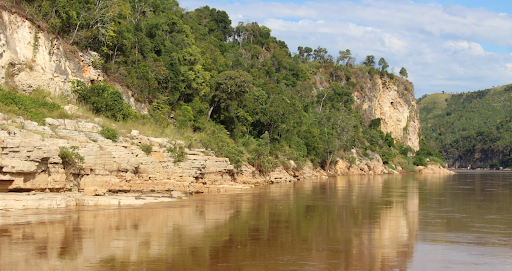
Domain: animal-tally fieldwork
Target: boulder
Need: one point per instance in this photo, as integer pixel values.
(17, 166)
(94, 191)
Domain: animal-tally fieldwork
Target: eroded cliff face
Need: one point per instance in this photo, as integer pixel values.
(31, 58)
(391, 100)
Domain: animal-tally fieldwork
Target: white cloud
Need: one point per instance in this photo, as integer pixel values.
(439, 45)
(472, 48)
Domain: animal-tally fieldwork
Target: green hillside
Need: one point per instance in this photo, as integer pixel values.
(472, 128)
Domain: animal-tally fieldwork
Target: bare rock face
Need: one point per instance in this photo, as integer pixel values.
(29, 161)
(31, 58)
(357, 164)
(433, 169)
(391, 100)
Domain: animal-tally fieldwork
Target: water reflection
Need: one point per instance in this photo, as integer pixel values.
(347, 223)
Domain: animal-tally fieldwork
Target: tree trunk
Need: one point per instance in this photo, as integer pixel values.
(210, 111)
(328, 162)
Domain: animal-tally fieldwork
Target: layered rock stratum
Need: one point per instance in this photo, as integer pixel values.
(29, 161)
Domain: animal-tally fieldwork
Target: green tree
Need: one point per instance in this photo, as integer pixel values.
(320, 55)
(369, 61)
(338, 128)
(344, 58)
(403, 72)
(383, 64)
(231, 86)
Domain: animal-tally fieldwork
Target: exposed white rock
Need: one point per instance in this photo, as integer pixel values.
(393, 102)
(361, 165)
(135, 133)
(32, 163)
(17, 166)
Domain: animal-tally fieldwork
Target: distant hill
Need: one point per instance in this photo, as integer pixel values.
(473, 128)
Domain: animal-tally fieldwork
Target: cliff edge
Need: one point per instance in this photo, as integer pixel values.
(391, 100)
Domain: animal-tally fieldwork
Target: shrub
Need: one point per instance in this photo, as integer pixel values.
(405, 150)
(72, 162)
(104, 99)
(410, 168)
(402, 161)
(109, 133)
(372, 71)
(146, 148)
(177, 152)
(217, 139)
(184, 117)
(495, 164)
(71, 159)
(436, 160)
(352, 160)
(260, 156)
(420, 160)
(386, 155)
(428, 151)
(298, 166)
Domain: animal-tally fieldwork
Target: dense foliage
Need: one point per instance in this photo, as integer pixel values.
(239, 88)
(102, 98)
(473, 128)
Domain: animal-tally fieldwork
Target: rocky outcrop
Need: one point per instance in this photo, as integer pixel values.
(31, 58)
(358, 164)
(391, 100)
(29, 161)
(433, 169)
(21, 201)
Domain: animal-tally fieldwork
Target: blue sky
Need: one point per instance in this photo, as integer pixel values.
(445, 45)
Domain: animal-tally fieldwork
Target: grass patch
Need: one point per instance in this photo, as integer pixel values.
(177, 153)
(146, 148)
(410, 168)
(35, 107)
(109, 133)
(390, 166)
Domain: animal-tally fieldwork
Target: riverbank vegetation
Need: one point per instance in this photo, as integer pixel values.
(236, 90)
(472, 128)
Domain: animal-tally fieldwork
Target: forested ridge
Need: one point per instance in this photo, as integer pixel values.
(238, 90)
(470, 129)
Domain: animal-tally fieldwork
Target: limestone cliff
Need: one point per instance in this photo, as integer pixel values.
(29, 161)
(32, 58)
(391, 100)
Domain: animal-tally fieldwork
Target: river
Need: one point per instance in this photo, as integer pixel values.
(404, 222)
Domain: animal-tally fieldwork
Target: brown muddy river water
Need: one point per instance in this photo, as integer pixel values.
(407, 222)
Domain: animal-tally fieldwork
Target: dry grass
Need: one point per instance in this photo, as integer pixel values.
(145, 126)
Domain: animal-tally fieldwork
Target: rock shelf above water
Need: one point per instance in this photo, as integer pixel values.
(29, 161)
